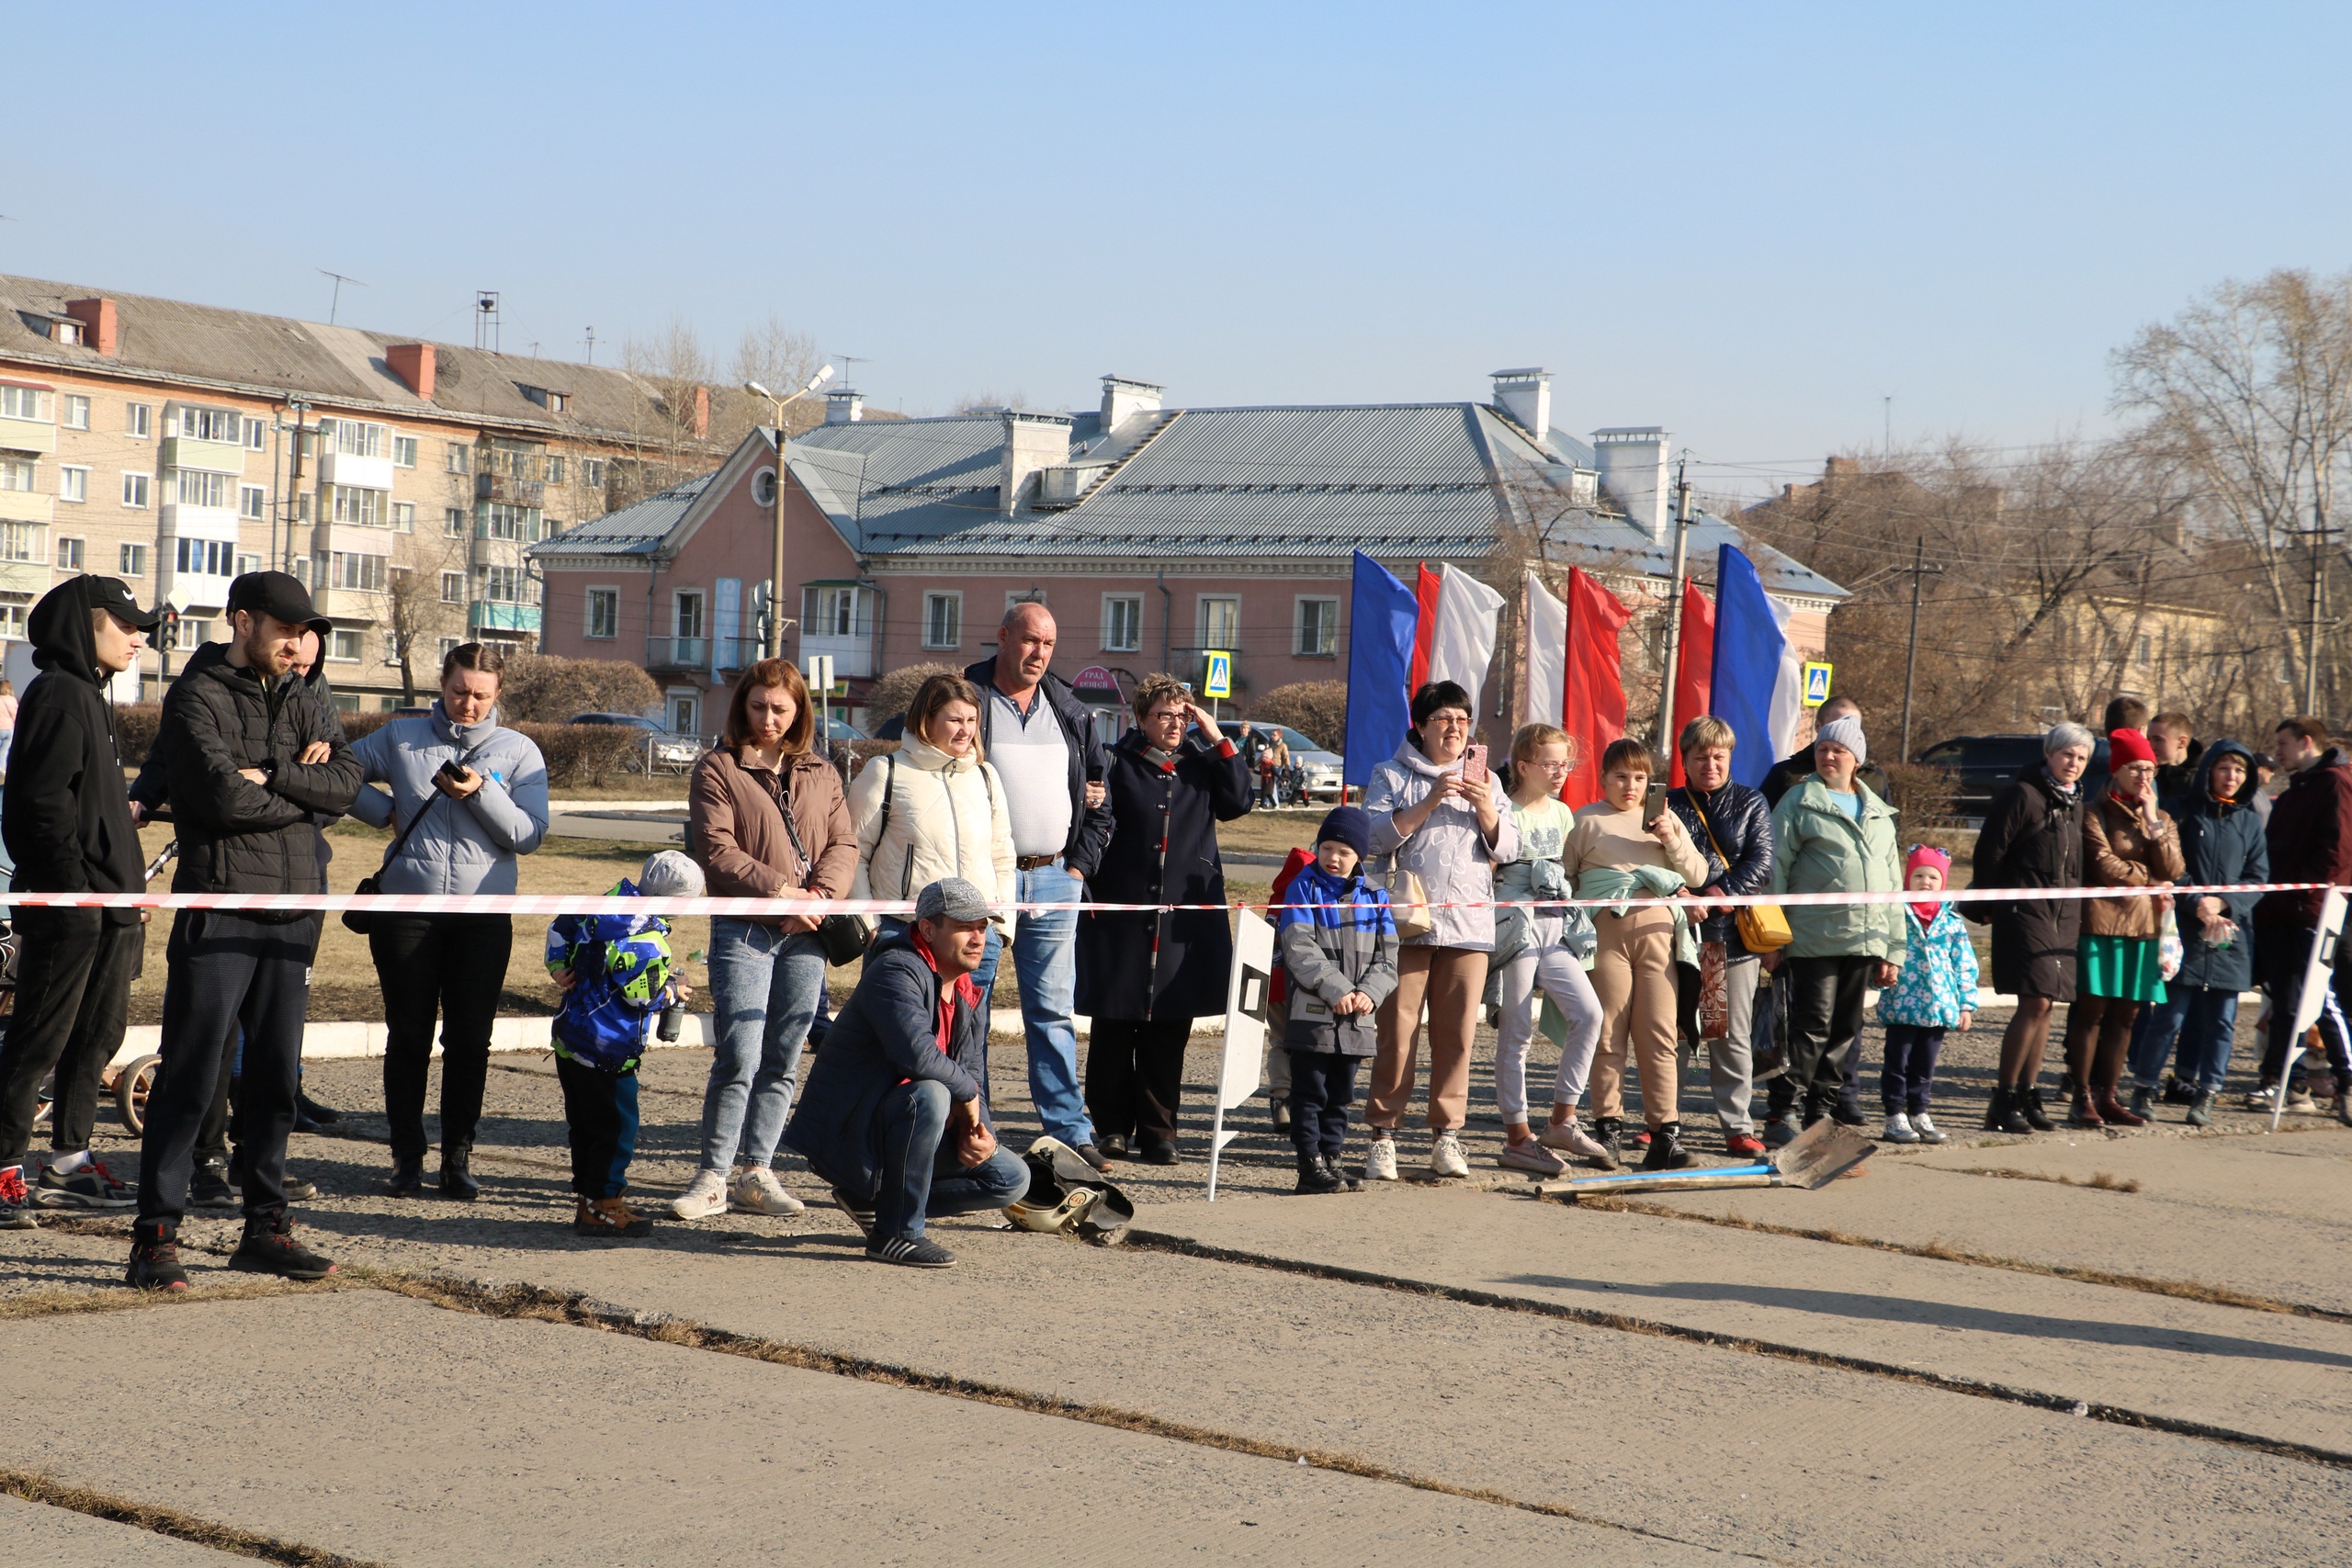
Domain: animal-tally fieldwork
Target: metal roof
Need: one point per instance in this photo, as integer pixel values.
(637, 530)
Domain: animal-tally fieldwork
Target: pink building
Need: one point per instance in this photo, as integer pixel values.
(1155, 534)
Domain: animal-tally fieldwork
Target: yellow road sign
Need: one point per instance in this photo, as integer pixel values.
(1817, 683)
(1218, 680)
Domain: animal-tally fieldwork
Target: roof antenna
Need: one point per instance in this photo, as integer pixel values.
(486, 326)
(335, 303)
(849, 377)
(592, 345)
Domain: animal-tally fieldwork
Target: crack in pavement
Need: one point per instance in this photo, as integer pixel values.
(34, 1487)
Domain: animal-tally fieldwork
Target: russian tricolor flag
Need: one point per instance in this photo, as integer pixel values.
(1758, 681)
(1400, 638)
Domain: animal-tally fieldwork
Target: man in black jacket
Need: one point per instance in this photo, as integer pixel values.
(68, 828)
(236, 738)
(1790, 772)
(1042, 742)
(895, 1115)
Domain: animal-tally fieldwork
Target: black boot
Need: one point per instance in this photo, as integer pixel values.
(2030, 1107)
(408, 1176)
(1313, 1178)
(2005, 1113)
(456, 1175)
(1347, 1183)
(1666, 1152)
(1996, 1110)
(269, 1248)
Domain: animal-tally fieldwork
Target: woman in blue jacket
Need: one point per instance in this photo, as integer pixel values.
(466, 826)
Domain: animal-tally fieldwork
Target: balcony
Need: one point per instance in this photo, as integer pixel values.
(213, 456)
(354, 473)
(494, 616)
(853, 655)
(26, 506)
(513, 491)
(677, 653)
(35, 435)
(197, 522)
(25, 575)
(737, 652)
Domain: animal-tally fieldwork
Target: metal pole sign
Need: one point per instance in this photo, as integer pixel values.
(1217, 681)
(1247, 993)
(1817, 683)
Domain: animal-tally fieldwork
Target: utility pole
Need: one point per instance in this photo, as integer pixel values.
(1674, 606)
(2319, 533)
(1920, 570)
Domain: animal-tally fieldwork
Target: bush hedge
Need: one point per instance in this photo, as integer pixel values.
(575, 753)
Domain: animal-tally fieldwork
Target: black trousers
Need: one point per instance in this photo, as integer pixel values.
(73, 972)
(455, 966)
(1322, 1087)
(1824, 1022)
(228, 972)
(600, 1118)
(1135, 1077)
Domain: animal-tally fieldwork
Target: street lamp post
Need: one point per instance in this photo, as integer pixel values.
(776, 580)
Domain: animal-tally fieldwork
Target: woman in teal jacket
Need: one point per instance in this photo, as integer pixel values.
(1830, 834)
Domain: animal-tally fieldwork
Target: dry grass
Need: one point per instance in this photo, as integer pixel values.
(2099, 1180)
(172, 1522)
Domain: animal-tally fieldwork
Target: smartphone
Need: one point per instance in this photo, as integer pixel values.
(450, 769)
(1653, 804)
(1473, 763)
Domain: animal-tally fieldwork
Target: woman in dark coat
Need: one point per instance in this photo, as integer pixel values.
(1141, 977)
(2032, 837)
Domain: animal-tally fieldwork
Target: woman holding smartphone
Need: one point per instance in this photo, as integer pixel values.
(473, 797)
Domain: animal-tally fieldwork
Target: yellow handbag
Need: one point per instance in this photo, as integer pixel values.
(1763, 928)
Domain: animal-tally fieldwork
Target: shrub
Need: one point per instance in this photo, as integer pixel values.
(585, 754)
(1923, 795)
(539, 688)
(134, 730)
(1316, 709)
(892, 694)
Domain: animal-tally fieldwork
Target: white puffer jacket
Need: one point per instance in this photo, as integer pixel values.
(948, 818)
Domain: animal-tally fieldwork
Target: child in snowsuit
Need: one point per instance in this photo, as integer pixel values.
(1339, 949)
(617, 978)
(1936, 989)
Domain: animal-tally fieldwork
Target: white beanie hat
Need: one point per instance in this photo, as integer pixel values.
(1847, 732)
(670, 874)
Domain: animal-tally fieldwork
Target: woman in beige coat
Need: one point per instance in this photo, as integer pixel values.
(934, 807)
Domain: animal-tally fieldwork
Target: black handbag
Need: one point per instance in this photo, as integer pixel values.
(844, 937)
(364, 921)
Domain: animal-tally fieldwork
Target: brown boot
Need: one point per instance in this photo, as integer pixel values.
(2113, 1112)
(2084, 1114)
(609, 1217)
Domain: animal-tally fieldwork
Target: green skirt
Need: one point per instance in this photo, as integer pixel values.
(2126, 968)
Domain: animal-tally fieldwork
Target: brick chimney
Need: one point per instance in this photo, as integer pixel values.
(1032, 441)
(412, 363)
(1633, 461)
(96, 317)
(1121, 399)
(1525, 394)
(702, 412)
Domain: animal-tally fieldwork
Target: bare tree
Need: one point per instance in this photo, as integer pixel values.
(672, 430)
(782, 358)
(415, 617)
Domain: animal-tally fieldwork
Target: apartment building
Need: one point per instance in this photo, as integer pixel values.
(176, 444)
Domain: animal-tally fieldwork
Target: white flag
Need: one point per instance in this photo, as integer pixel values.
(1547, 654)
(1462, 645)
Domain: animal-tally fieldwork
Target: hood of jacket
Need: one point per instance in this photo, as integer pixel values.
(59, 630)
(2201, 791)
(1413, 758)
(464, 737)
(919, 753)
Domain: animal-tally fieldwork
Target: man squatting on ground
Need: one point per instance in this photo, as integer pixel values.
(67, 821)
(896, 1112)
(251, 760)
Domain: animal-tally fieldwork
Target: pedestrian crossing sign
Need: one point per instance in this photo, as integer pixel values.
(1817, 683)
(1217, 681)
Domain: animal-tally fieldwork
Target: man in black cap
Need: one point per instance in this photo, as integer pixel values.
(67, 822)
(236, 734)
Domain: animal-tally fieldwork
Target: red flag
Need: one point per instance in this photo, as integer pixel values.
(1425, 590)
(1694, 671)
(1592, 702)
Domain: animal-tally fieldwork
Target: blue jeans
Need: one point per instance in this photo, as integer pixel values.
(2153, 1033)
(1045, 962)
(2209, 1027)
(766, 984)
(920, 1177)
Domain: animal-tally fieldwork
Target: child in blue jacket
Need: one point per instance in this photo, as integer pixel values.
(1936, 990)
(1337, 939)
(615, 972)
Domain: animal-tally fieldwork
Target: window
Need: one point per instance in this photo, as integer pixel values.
(942, 620)
(134, 490)
(501, 521)
(453, 522)
(362, 508)
(194, 487)
(72, 484)
(686, 714)
(502, 584)
(835, 610)
(77, 411)
(69, 555)
(12, 614)
(1318, 629)
(256, 434)
(20, 541)
(592, 472)
(686, 613)
(356, 438)
(449, 647)
(404, 518)
(604, 611)
(403, 451)
(349, 568)
(212, 424)
(345, 646)
(1122, 623)
(212, 557)
(16, 473)
(1220, 621)
(555, 470)
(29, 402)
(194, 631)
(461, 458)
(453, 587)
(138, 419)
(130, 560)
(253, 501)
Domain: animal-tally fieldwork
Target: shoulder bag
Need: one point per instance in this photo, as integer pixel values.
(1763, 928)
(844, 937)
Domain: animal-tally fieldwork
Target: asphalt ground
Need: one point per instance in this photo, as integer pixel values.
(2103, 1348)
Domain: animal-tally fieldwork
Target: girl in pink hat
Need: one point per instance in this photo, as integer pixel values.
(1935, 991)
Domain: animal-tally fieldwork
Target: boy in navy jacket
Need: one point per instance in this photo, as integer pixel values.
(1338, 947)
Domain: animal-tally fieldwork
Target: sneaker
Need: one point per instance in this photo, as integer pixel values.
(1666, 1152)
(2176, 1092)
(2200, 1110)
(1898, 1129)
(2300, 1101)
(1744, 1146)
(1928, 1132)
(2144, 1100)
(269, 1248)
(1380, 1160)
(910, 1252)
(860, 1214)
(155, 1266)
(611, 1218)
(209, 1187)
(1446, 1157)
(1530, 1155)
(1778, 1134)
(1573, 1138)
(1282, 1115)
(92, 1187)
(15, 1203)
(1847, 1113)
(1609, 1131)
(299, 1190)
(706, 1195)
(757, 1192)
(2262, 1099)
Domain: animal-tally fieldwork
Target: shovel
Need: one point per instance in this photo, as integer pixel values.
(1820, 1154)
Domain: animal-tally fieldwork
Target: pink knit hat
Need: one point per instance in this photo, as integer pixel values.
(1927, 854)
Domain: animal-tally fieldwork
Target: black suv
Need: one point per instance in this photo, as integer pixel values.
(1985, 765)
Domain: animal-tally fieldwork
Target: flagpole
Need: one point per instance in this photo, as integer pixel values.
(1674, 607)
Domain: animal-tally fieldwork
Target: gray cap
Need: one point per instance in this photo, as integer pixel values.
(670, 874)
(951, 898)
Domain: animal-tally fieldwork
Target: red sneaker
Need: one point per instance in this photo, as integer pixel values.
(1746, 1146)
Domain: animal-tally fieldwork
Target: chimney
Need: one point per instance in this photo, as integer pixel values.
(702, 412)
(1032, 441)
(1526, 396)
(1632, 470)
(1121, 397)
(96, 317)
(412, 363)
(843, 406)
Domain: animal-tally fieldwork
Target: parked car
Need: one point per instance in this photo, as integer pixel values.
(1985, 765)
(1321, 772)
(662, 749)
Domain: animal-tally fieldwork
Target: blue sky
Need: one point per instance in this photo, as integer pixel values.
(1748, 222)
